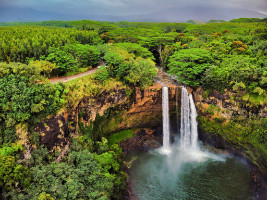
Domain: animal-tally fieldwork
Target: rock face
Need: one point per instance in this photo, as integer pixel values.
(227, 102)
(109, 112)
(57, 129)
(143, 141)
(225, 108)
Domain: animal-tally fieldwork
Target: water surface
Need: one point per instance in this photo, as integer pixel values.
(186, 175)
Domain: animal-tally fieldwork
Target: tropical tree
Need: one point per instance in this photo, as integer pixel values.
(64, 61)
(45, 67)
(188, 65)
(86, 55)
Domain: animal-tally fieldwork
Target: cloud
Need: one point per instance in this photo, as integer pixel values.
(133, 7)
(262, 12)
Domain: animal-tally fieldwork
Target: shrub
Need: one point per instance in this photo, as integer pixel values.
(102, 74)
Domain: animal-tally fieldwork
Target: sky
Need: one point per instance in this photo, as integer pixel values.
(170, 10)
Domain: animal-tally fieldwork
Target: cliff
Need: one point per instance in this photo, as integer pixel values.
(108, 112)
(228, 123)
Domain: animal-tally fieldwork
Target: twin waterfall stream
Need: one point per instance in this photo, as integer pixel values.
(183, 169)
(188, 131)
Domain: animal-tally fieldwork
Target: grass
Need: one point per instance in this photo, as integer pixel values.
(120, 136)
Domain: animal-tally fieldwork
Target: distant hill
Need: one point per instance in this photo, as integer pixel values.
(191, 21)
(176, 14)
(215, 21)
(249, 20)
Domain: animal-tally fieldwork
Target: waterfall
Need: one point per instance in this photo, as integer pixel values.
(185, 120)
(177, 109)
(188, 125)
(165, 117)
(189, 135)
(193, 118)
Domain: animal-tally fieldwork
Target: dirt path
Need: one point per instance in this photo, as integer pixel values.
(65, 79)
(162, 77)
(165, 79)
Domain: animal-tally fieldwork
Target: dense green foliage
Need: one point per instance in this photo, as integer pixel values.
(249, 20)
(82, 175)
(73, 56)
(192, 63)
(44, 66)
(11, 150)
(132, 70)
(13, 175)
(85, 176)
(22, 102)
(216, 21)
(136, 49)
(238, 73)
(19, 43)
(223, 44)
(147, 40)
(30, 72)
(102, 74)
(86, 55)
(120, 136)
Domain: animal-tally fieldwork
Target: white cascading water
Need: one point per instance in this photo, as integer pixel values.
(185, 138)
(193, 118)
(165, 117)
(189, 135)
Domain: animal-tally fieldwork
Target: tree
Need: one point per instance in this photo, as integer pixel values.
(102, 74)
(86, 55)
(158, 44)
(136, 49)
(44, 196)
(189, 65)
(140, 72)
(23, 101)
(21, 42)
(131, 70)
(65, 61)
(85, 176)
(233, 71)
(13, 175)
(45, 67)
(30, 72)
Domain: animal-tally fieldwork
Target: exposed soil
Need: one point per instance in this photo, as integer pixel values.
(65, 79)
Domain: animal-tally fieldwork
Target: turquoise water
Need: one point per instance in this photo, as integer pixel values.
(188, 176)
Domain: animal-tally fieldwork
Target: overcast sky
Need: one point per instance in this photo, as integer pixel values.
(134, 7)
